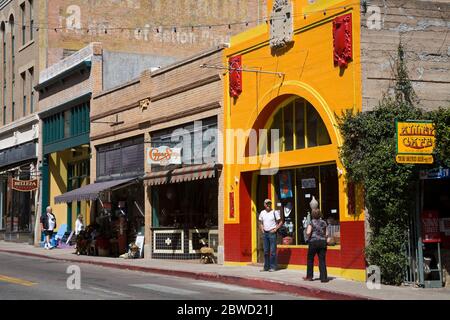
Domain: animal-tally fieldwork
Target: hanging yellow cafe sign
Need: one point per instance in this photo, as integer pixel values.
(415, 142)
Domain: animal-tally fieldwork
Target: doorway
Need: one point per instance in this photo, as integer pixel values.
(263, 191)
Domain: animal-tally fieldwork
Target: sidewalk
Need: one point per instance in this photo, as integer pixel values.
(250, 276)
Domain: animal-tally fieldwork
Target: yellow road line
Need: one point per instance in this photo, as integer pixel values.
(16, 281)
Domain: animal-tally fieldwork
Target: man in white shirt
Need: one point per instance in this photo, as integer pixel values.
(270, 222)
(48, 224)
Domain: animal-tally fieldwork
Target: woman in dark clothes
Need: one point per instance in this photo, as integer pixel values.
(317, 233)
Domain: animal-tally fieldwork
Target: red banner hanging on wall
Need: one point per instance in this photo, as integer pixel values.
(232, 205)
(235, 67)
(343, 43)
(430, 227)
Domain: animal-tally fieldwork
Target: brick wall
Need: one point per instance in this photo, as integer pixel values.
(422, 26)
(26, 57)
(179, 88)
(136, 21)
(178, 94)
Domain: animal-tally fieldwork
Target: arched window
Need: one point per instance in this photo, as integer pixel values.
(299, 126)
(13, 64)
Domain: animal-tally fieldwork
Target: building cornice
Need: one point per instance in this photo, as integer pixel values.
(83, 97)
(75, 68)
(190, 86)
(28, 120)
(166, 119)
(115, 111)
(68, 64)
(117, 88)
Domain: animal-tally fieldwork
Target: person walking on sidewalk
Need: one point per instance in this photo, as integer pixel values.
(270, 222)
(317, 233)
(48, 224)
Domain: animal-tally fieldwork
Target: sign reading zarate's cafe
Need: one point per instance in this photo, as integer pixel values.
(24, 185)
(415, 142)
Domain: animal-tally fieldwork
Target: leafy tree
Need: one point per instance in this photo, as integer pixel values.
(368, 154)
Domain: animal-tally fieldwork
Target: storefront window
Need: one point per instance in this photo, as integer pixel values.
(436, 198)
(2, 204)
(312, 119)
(294, 189)
(78, 174)
(299, 125)
(288, 120)
(119, 218)
(198, 142)
(121, 159)
(277, 124)
(21, 205)
(186, 205)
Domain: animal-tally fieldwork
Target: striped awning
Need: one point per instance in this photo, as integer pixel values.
(189, 173)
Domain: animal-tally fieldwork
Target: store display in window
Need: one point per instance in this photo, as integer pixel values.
(285, 185)
(288, 223)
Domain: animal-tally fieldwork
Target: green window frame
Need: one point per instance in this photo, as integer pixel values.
(67, 124)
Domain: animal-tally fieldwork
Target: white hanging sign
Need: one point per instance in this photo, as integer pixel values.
(163, 155)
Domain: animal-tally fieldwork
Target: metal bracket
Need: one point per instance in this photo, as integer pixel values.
(279, 74)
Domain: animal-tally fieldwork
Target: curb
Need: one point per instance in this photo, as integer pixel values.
(256, 283)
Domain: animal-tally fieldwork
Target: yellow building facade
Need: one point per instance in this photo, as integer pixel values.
(67, 172)
(300, 90)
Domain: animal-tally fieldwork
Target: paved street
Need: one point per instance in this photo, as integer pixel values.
(35, 278)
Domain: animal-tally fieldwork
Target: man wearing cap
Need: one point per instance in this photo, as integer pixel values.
(270, 222)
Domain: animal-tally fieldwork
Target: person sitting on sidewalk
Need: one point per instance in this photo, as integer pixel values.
(79, 226)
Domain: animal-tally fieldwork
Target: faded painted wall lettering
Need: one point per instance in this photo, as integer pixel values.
(148, 15)
(147, 26)
(73, 21)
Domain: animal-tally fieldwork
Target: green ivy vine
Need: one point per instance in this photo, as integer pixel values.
(368, 154)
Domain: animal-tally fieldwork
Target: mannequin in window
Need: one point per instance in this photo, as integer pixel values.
(289, 217)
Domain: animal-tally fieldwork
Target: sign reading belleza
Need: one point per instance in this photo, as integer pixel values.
(24, 185)
(415, 142)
